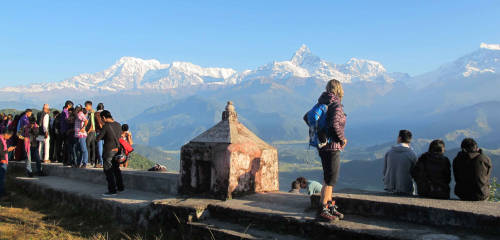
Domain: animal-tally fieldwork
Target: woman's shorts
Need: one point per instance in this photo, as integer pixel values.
(331, 165)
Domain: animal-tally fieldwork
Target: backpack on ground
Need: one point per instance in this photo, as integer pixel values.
(316, 120)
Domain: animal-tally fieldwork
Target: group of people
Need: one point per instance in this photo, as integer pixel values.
(431, 171)
(78, 136)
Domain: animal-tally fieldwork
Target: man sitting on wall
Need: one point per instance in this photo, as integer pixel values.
(399, 161)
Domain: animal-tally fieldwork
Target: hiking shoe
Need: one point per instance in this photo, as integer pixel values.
(109, 194)
(325, 216)
(334, 210)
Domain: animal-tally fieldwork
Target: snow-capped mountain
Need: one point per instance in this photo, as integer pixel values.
(485, 60)
(305, 64)
(131, 73)
(134, 73)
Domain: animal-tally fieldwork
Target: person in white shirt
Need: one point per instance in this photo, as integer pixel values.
(44, 136)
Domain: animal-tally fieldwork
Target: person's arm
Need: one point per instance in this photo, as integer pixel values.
(85, 121)
(102, 134)
(481, 171)
(338, 117)
(416, 170)
(129, 138)
(413, 159)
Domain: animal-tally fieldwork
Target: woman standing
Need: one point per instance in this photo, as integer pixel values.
(330, 153)
(81, 135)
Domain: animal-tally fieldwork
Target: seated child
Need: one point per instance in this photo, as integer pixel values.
(312, 187)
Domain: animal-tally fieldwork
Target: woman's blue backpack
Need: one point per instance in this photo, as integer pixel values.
(316, 120)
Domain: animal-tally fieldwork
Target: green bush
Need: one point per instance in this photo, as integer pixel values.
(494, 187)
(137, 161)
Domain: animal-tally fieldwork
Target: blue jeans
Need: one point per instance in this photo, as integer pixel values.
(3, 172)
(100, 144)
(73, 151)
(33, 156)
(84, 155)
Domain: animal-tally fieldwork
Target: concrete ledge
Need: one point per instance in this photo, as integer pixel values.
(368, 216)
(155, 182)
(474, 215)
(288, 213)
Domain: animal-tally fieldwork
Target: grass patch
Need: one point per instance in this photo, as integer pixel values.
(24, 217)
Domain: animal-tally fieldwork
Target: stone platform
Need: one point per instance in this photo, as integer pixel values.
(268, 215)
(156, 182)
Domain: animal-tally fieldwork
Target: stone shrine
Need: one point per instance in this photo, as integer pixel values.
(227, 160)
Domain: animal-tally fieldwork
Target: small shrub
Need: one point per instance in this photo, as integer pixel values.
(494, 190)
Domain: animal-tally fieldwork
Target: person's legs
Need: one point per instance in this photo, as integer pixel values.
(3, 172)
(331, 162)
(74, 151)
(19, 154)
(108, 171)
(84, 155)
(28, 156)
(118, 176)
(35, 157)
(56, 149)
(52, 146)
(91, 148)
(41, 148)
(67, 150)
(46, 153)
(100, 145)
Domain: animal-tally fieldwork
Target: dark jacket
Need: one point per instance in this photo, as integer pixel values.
(110, 133)
(335, 120)
(472, 175)
(432, 173)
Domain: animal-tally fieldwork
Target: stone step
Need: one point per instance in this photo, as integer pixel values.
(155, 182)
(289, 213)
(215, 229)
(130, 206)
(484, 216)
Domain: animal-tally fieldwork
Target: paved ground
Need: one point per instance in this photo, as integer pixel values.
(132, 197)
(290, 212)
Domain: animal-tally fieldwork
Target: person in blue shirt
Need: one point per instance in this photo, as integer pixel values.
(312, 187)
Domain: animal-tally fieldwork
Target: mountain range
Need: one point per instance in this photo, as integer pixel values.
(167, 104)
(130, 73)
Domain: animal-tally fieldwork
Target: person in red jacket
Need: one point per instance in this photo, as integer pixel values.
(330, 154)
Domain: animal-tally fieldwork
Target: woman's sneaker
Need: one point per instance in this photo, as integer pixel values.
(334, 210)
(325, 216)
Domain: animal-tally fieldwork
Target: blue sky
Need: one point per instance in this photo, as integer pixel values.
(43, 41)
